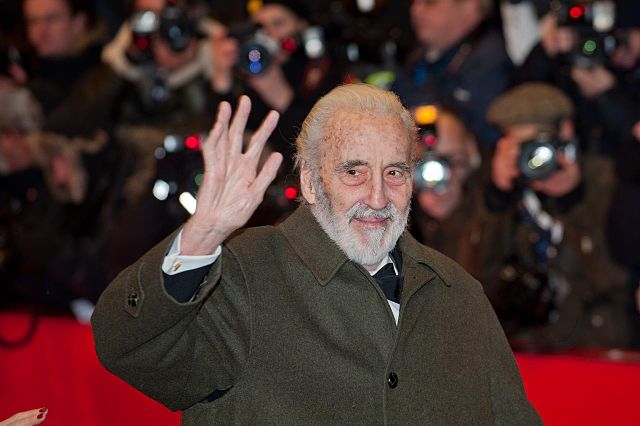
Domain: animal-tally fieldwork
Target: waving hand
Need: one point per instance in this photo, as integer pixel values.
(232, 188)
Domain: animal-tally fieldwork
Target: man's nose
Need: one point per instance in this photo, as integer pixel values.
(376, 198)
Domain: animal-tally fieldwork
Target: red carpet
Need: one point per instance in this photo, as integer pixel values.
(59, 369)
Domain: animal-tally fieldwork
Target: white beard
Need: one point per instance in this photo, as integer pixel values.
(371, 246)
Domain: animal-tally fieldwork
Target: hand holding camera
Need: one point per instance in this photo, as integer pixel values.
(593, 82)
(543, 163)
(582, 31)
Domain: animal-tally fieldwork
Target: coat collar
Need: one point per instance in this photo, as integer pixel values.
(324, 258)
(321, 255)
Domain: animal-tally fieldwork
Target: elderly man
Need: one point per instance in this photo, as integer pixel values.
(293, 324)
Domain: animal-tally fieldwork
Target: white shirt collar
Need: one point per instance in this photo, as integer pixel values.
(382, 263)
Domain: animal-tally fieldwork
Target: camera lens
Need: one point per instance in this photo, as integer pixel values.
(433, 174)
(537, 159)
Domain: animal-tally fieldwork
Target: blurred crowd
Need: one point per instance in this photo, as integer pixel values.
(528, 113)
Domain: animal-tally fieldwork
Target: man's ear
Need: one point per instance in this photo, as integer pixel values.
(307, 187)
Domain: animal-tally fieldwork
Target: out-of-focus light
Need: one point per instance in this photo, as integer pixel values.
(161, 190)
(192, 142)
(541, 157)
(255, 67)
(171, 143)
(366, 6)
(353, 52)
(291, 193)
(426, 114)
(589, 47)
(430, 140)
(289, 45)
(148, 20)
(576, 12)
(433, 171)
(188, 201)
(198, 179)
(314, 48)
(159, 153)
(142, 43)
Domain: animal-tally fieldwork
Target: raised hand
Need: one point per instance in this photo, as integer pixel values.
(562, 181)
(231, 189)
(504, 164)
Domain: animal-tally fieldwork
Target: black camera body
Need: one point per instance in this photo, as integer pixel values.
(175, 28)
(538, 157)
(593, 23)
(593, 48)
(172, 25)
(255, 51)
(433, 172)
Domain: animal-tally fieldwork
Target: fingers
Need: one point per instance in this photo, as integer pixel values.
(214, 148)
(261, 135)
(267, 174)
(238, 124)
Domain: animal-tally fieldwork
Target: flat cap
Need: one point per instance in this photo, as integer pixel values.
(530, 103)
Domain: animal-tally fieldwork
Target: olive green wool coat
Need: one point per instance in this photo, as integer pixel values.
(299, 334)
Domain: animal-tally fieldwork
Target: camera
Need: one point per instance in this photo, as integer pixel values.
(433, 172)
(257, 49)
(593, 49)
(538, 157)
(593, 23)
(172, 25)
(599, 16)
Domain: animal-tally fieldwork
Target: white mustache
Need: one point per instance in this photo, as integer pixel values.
(362, 211)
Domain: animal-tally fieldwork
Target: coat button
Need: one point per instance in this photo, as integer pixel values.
(392, 380)
(132, 300)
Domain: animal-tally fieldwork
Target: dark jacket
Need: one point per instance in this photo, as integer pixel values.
(298, 334)
(466, 78)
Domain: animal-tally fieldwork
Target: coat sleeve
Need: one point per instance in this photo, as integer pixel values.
(509, 400)
(176, 353)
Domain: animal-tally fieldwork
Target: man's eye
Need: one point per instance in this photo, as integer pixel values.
(353, 172)
(396, 176)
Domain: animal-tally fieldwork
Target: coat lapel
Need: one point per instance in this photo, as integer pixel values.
(321, 255)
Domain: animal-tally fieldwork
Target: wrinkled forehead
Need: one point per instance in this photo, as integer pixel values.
(365, 135)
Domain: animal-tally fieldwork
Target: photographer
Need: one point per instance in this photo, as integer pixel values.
(461, 56)
(65, 73)
(57, 198)
(447, 187)
(287, 77)
(591, 52)
(162, 53)
(559, 287)
(162, 59)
